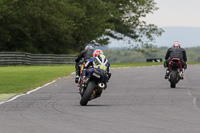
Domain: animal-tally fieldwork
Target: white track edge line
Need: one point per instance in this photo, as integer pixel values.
(27, 93)
(194, 100)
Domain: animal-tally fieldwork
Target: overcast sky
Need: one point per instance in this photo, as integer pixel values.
(176, 13)
(179, 19)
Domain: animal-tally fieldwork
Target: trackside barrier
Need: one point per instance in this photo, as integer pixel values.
(154, 60)
(22, 58)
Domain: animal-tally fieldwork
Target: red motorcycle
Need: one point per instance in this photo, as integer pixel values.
(175, 72)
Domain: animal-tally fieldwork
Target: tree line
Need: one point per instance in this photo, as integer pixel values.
(66, 26)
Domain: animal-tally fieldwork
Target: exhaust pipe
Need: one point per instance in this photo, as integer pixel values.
(102, 85)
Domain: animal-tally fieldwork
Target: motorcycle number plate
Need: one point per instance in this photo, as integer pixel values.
(94, 74)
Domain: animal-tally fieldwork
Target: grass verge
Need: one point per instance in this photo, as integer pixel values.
(137, 64)
(20, 79)
(4, 97)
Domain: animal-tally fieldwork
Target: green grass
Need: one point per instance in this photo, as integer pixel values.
(194, 63)
(20, 79)
(137, 64)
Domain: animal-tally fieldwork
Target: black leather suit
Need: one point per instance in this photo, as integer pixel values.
(176, 52)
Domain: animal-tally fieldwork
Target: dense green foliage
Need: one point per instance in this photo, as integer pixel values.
(66, 26)
(124, 56)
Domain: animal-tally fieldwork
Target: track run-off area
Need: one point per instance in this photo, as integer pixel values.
(137, 100)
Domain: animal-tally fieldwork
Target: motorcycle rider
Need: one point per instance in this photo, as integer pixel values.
(98, 61)
(85, 55)
(175, 52)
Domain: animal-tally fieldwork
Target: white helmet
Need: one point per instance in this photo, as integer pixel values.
(88, 47)
(97, 52)
(176, 45)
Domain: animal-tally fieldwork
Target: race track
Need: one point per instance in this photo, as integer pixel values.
(137, 100)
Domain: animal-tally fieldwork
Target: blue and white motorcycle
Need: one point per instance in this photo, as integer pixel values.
(92, 86)
(97, 76)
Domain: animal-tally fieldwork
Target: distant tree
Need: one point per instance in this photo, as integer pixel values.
(128, 21)
(65, 26)
(37, 26)
(110, 17)
(94, 22)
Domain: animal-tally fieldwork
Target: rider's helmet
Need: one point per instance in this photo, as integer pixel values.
(176, 45)
(88, 47)
(97, 52)
(92, 42)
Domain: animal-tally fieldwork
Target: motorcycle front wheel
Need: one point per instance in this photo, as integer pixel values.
(87, 94)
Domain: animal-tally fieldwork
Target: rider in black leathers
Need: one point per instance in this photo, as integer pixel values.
(175, 52)
(85, 55)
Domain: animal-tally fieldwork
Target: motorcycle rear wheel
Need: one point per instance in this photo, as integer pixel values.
(173, 79)
(87, 94)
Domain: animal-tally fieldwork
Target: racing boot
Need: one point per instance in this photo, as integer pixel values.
(167, 73)
(77, 76)
(76, 79)
(181, 74)
(81, 91)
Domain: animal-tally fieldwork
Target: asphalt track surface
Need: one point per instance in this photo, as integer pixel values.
(137, 100)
